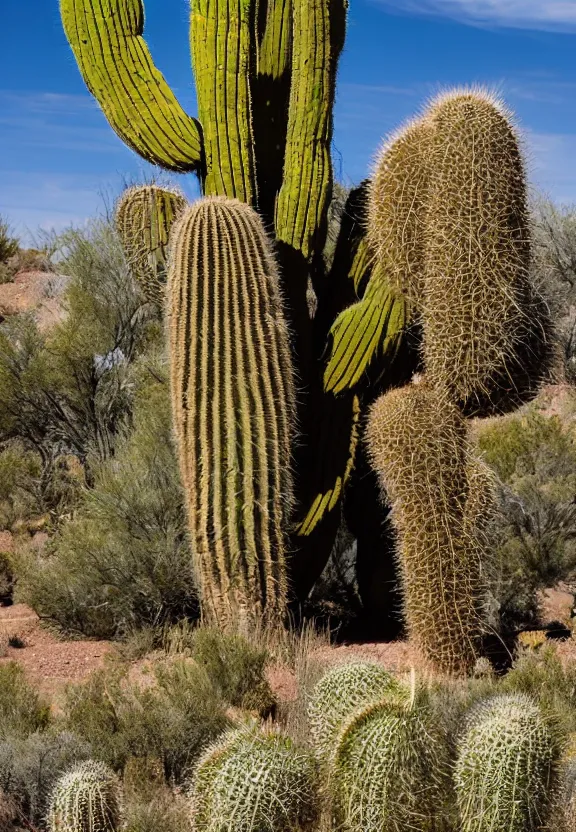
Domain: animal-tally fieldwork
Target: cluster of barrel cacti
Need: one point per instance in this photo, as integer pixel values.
(379, 759)
(430, 272)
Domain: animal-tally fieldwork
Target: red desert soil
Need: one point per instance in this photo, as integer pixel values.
(49, 663)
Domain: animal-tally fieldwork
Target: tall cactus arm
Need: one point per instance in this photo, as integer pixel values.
(305, 193)
(106, 38)
(275, 40)
(221, 39)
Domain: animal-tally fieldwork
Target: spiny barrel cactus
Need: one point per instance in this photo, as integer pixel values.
(565, 810)
(478, 307)
(457, 246)
(86, 799)
(505, 766)
(233, 404)
(418, 444)
(265, 73)
(144, 218)
(254, 780)
(339, 693)
(387, 770)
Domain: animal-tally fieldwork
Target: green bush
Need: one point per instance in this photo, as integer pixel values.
(235, 667)
(545, 677)
(30, 766)
(9, 245)
(170, 716)
(21, 709)
(123, 562)
(534, 456)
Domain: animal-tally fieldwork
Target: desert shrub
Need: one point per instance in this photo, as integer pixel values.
(534, 456)
(6, 577)
(123, 562)
(21, 709)
(9, 245)
(30, 767)
(235, 667)
(67, 391)
(543, 675)
(161, 810)
(170, 715)
(555, 269)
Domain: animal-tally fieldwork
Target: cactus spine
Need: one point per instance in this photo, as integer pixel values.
(86, 799)
(339, 693)
(505, 766)
(233, 405)
(387, 770)
(144, 218)
(254, 781)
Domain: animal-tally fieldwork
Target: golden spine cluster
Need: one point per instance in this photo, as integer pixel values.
(233, 403)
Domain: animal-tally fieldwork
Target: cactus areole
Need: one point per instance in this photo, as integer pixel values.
(285, 339)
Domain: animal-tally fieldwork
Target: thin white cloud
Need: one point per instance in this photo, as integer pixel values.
(556, 15)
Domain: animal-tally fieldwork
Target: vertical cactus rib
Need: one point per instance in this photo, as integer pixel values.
(221, 33)
(233, 402)
(274, 47)
(115, 62)
(305, 193)
(88, 798)
(144, 219)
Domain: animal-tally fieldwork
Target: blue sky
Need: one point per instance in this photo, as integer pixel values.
(58, 156)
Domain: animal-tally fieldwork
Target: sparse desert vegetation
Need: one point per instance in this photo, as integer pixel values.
(288, 473)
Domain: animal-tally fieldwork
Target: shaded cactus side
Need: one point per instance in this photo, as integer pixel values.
(233, 404)
(418, 445)
(505, 767)
(86, 799)
(387, 770)
(341, 691)
(254, 780)
(144, 219)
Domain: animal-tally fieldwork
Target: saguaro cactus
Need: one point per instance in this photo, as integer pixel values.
(254, 781)
(233, 404)
(86, 799)
(265, 73)
(505, 767)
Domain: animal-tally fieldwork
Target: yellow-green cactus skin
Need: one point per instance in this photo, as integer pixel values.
(233, 400)
(117, 67)
(88, 798)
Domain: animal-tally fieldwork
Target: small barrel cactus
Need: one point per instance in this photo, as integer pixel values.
(504, 767)
(339, 693)
(144, 219)
(387, 770)
(86, 799)
(254, 781)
